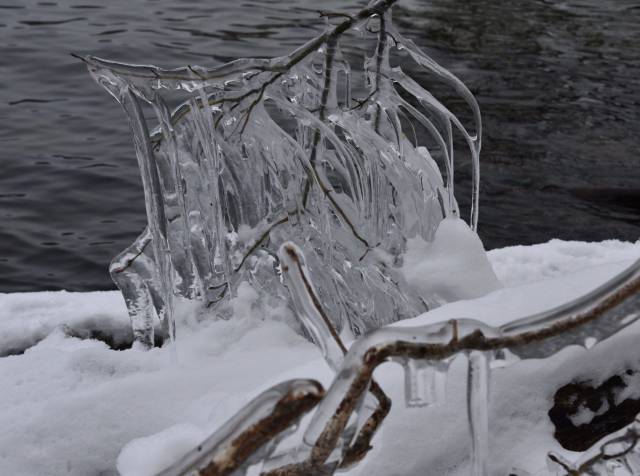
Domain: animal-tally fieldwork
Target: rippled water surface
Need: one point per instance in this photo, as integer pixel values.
(558, 84)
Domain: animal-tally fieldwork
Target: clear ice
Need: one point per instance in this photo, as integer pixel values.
(310, 147)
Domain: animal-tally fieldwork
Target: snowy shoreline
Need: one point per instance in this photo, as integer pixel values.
(75, 406)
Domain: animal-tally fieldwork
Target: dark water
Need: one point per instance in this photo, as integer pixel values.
(558, 84)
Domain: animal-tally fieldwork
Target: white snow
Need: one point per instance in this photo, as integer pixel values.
(74, 406)
(453, 266)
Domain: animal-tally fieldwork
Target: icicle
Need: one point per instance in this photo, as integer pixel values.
(425, 382)
(353, 365)
(473, 139)
(478, 375)
(633, 461)
(156, 218)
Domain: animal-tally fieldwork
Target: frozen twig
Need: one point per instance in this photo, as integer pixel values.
(294, 268)
(250, 430)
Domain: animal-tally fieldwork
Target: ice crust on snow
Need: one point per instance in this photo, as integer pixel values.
(77, 407)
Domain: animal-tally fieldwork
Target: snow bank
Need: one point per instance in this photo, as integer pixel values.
(75, 406)
(27, 318)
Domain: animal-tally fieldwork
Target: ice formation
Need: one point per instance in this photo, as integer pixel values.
(305, 147)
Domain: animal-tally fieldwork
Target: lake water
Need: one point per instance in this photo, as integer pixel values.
(558, 84)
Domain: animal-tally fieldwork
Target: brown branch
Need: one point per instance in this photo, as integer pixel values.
(381, 47)
(362, 444)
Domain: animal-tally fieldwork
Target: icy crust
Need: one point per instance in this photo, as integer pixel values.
(72, 405)
(77, 407)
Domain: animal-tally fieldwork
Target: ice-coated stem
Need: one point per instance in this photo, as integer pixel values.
(250, 431)
(478, 374)
(318, 325)
(308, 307)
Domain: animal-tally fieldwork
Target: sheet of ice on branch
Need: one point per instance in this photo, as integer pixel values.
(316, 147)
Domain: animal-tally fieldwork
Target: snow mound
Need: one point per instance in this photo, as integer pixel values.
(453, 266)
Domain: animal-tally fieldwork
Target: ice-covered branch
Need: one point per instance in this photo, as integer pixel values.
(318, 325)
(608, 309)
(250, 434)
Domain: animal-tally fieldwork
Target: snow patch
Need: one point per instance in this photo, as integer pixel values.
(452, 267)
